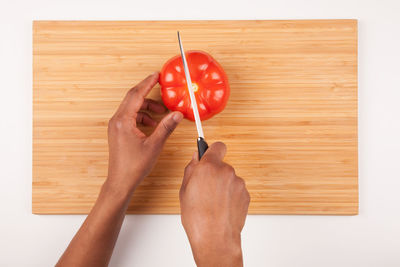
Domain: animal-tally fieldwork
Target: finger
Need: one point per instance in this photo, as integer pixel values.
(189, 170)
(145, 86)
(215, 153)
(189, 167)
(145, 119)
(195, 156)
(134, 98)
(153, 106)
(164, 129)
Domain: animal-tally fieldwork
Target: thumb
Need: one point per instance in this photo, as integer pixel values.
(166, 126)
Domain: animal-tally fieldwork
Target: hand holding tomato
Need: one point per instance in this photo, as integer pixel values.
(132, 154)
(210, 85)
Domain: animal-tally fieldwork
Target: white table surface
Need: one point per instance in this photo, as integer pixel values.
(370, 239)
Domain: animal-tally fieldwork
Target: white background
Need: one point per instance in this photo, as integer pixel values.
(370, 239)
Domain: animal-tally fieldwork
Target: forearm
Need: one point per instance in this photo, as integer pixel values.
(95, 240)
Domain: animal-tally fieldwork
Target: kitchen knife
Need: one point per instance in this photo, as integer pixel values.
(201, 142)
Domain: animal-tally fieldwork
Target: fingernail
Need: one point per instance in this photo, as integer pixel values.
(155, 73)
(177, 117)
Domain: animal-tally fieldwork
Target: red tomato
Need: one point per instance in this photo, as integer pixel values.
(210, 85)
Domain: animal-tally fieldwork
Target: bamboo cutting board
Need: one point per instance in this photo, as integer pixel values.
(290, 124)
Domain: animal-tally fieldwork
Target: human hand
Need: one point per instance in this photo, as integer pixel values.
(132, 154)
(214, 203)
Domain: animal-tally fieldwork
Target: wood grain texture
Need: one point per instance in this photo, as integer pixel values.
(290, 124)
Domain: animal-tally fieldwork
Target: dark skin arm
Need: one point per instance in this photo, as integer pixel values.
(132, 155)
(214, 201)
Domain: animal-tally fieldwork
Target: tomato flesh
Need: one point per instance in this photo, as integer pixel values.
(210, 85)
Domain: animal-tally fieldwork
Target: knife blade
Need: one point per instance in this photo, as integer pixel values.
(202, 145)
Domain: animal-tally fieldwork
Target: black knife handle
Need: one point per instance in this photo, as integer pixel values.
(201, 146)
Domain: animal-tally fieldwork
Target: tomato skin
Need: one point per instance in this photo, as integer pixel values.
(209, 77)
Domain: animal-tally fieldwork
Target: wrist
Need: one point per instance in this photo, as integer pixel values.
(123, 180)
(115, 189)
(217, 251)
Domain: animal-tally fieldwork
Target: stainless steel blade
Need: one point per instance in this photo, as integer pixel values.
(190, 88)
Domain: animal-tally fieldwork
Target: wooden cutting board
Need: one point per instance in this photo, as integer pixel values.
(290, 124)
